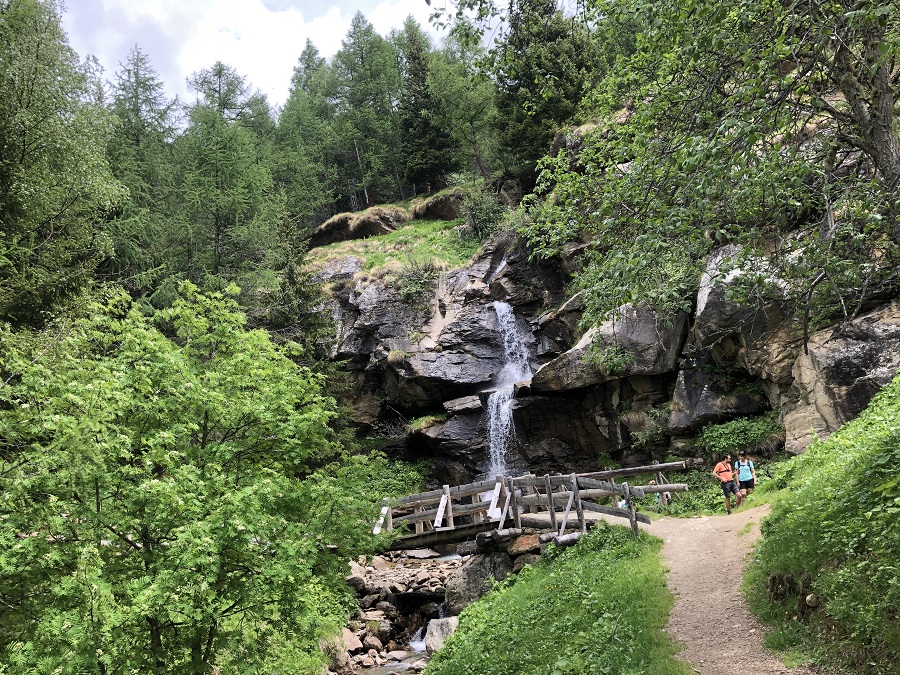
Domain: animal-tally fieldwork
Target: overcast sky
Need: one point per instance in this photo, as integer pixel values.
(260, 39)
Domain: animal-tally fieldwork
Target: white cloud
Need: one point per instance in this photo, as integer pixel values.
(259, 43)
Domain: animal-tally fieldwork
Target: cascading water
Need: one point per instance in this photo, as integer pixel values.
(515, 369)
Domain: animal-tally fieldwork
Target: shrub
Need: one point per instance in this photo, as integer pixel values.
(482, 213)
(417, 278)
(753, 434)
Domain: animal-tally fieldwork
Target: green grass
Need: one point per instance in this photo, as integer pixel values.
(598, 608)
(834, 532)
(416, 240)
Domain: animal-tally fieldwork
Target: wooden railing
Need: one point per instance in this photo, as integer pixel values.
(545, 502)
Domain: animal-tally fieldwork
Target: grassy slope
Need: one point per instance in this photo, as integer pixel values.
(834, 531)
(597, 608)
(415, 240)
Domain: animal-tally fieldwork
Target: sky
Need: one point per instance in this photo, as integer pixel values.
(260, 39)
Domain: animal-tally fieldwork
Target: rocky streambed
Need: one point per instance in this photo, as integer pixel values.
(409, 600)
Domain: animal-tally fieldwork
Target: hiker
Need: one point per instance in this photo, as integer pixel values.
(725, 474)
(746, 474)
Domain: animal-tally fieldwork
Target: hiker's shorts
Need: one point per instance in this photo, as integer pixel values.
(729, 488)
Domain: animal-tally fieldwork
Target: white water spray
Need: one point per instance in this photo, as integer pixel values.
(515, 369)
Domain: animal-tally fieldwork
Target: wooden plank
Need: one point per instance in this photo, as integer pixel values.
(450, 506)
(631, 512)
(493, 513)
(635, 470)
(439, 537)
(439, 516)
(429, 514)
(614, 511)
(579, 510)
(538, 481)
(505, 510)
(565, 520)
(550, 505)
(434, 496)
(385, 509)
(665, 487)
(517, 521)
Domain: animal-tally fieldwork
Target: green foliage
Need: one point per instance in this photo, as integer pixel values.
(418, 239)
(753, 434)
(56, 188)
(482, 211)
(612, 358)
(834, 532)
(417, 278)
(599, 607)
(167, 504)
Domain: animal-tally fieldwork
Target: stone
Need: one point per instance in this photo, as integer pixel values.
(381, 563)
(522, 560)
(437, 632)
(466, 404)
(844, 368)
(422, 553)
(387, 609)
(527, 543)
(430, 610)
(397, 655)
(643, 343)
(472, 579)
(372, 642)
(351, 642)
(357, 577)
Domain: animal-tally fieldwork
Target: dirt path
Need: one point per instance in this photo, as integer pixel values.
(706, 557)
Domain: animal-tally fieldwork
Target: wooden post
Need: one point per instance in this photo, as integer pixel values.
(630, 505)
(552, 506)
(420, 525)
(385, 515)
(439, 516)
(450, 522)
(517, 521)
(505, 504)
(582, 526)
(565, 520)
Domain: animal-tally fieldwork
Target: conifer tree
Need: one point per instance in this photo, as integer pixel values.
(425, 143)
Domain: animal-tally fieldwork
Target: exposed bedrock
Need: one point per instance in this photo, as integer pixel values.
(635, 388)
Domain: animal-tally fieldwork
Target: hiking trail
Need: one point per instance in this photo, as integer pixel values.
(706, 557)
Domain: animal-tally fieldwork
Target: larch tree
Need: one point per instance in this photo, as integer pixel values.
(56, 189)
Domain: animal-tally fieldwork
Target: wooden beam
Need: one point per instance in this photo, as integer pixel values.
(551, 506)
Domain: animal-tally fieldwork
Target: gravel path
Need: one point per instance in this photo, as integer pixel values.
(706, 558)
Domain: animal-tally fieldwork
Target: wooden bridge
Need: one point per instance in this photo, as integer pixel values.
(552, 503)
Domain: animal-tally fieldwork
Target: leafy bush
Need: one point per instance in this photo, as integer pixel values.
(836, 533)
(482, 213)
(753, 434)
(596, 608)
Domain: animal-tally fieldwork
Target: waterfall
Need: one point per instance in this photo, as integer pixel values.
(515, 369)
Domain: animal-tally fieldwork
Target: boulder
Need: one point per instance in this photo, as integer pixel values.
(637, 341)
(437, 632)
(527, 543)
(350, 641)
(372, 222)
(522, 560)
(443, 206)
(466, 404)
(472, 579)
(357, 577)
(843, 369)
(707, 394)
(755, 333)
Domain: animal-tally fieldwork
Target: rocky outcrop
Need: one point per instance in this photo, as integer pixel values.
(706, 393)
(444, 206)
(369, 223)
(756, 332)
(841, 371)
(637, 341)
